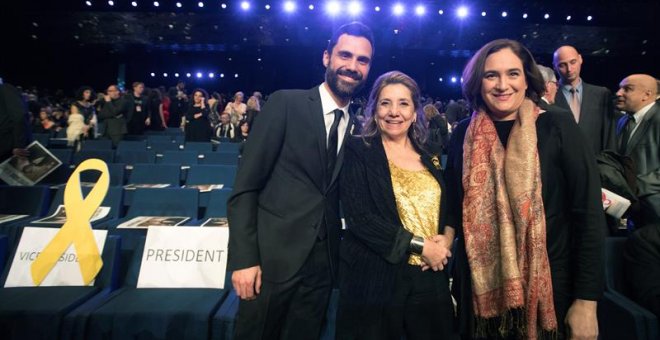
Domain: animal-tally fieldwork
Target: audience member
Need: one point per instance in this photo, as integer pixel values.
(638, 135)
(252, 109)
(523, 188)
(179, 104)
(243, 131)
(138, 106)
(225, 129)
(114, 115)
(236, 108)
(13, 131)
(437, 125)
(84, 105)
(198, 127)
(591, 105)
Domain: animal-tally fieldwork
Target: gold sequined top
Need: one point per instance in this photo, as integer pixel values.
(417, 195)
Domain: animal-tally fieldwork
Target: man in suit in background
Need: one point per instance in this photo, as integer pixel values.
(638, 134)
(284, 210)
(114, 115)
(591, 105)
(13, 123)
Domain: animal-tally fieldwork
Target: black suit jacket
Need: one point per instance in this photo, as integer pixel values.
(115, 115)
(280, 197)
(597, 116)
(644, 149)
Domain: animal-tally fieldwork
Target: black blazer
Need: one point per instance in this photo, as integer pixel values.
(376, 243)
(597, 116)
(644, 149)
(280, 195)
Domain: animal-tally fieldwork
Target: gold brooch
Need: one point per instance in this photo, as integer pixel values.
(436, 162)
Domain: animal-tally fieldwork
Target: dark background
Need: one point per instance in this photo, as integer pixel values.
(64, 44)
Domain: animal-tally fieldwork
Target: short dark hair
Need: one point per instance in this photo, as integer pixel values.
(417, 131)
(474, 72)
(354, 28)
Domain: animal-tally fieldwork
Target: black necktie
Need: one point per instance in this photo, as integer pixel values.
(627, 131)
(332, 144)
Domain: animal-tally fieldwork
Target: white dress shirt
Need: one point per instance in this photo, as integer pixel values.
(328, 105)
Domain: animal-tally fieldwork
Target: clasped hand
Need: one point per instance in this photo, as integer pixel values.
(436, 253)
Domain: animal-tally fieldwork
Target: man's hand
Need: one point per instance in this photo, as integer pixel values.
(18, 152)
(247, 282)
(581, 320)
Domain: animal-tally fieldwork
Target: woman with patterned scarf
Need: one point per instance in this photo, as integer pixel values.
(524, 195)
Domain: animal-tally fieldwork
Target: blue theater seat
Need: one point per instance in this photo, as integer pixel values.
(3, 252)
(106, 155)
(618, 316)
(154, 313)
(161, 147)
(159, 138)
(220, 158)
(126, 145)
(212, 174)
(155, 174)
(228, 147)
(182, 158)
(64, 155)
(130, 157)
(96, 144)
(117, 174)
(38, 312)
(199, 147)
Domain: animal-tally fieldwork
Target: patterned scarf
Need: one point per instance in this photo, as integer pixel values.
(504, 227)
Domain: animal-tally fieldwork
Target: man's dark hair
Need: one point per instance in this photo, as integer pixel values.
(356, 29)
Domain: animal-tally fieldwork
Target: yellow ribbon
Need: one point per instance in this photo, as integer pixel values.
(77, 228)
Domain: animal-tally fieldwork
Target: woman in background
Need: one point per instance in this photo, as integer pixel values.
(198, 128)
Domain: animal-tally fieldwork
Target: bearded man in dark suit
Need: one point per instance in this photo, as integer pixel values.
(284, 210)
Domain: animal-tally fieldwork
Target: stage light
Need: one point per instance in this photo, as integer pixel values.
(88, 3)
(153, 74)
(165, 75)
(504, 14)
(267, 7)
(224, 5)
(176, 75)
(199, 74)
(483, 14)
(178, 5)
(589, 18)
(289, 6)
(311, 7)
(524, 15)
(377, 8)
(211, 75)
(111, 3)
(453, 79)
(332, 8)
(354, 8)
(546, 16)
(462, 12)
(200, 4)
(245, 5)
(420, 10)
(441, 12)
(156, 4)
(133, 3)
(398, 9)
(235, 75)
(222, 75)
(188, 75)
(440, 80)
(568, 18)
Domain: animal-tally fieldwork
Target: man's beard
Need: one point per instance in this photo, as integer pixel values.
(340, 88)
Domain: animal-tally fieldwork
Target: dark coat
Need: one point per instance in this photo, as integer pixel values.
(283, 191)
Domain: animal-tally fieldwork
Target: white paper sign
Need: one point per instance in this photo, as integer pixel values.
(189, 257)
(65, 273)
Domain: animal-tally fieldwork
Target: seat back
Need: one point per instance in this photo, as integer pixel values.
(199, 147)
(155, 174)
(212, 174)
(106, 155)
(228, 147)
(112, 199)
(96, 144)
(220, 158)
(186, 158)
(64, 155)
(217, 206)
(129, 157)
(127, 145)
(24, 200)
(117, 174)
(164, 202)
(161, 147)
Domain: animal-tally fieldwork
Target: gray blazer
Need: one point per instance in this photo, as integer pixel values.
(644, 149)
(597, 116)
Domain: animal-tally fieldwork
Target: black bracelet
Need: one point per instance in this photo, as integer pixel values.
(416, 245)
